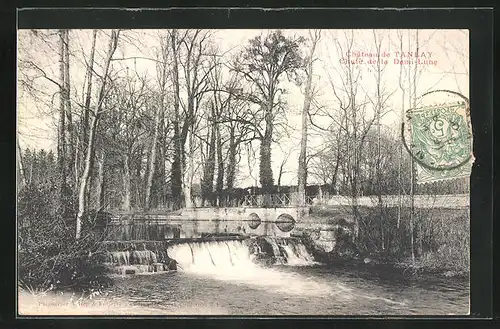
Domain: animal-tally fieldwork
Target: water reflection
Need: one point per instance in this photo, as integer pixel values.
(285, 223)
(157, 230)
(254, 221)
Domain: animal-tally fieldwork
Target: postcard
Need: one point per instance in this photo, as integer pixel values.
(243, 172)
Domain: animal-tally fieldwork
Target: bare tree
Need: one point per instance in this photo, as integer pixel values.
(86, 110)
(413, 104)
(176, 170)
(62, 140)
(162, 73)
(189, 53)
(113, 42)
(379, 102)
(352, 118)
(400, 159)
(308, 94)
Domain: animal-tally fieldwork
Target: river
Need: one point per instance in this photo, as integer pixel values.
(304, 290)
(225, 278)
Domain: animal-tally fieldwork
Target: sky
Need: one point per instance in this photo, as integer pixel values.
(444, 52)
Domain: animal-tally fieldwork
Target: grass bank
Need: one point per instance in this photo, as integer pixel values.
(441, 237)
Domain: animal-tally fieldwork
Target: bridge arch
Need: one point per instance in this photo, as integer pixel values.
(285, 222)
(254, 221)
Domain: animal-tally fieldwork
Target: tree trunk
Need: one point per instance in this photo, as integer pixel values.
(138, 178)
(100, 181)
(67, 100)
(280, 174)
(158, 186)
(20, 169)
(302, 171)
(61, 139)
(187, 159)
(90, 71)
(126, 183)
(377, 167)
(82, 196)
(355, 176)
(208, 172)
(355, 211)
(158, 128)
(400, 160)
(152, 160)
(30, 176)
(412, 164)
(231, 166)
(188, 174)
(220, 167)
(266, 171)
(336, 170)
(207, 182)
(85, 123)
(176, 170)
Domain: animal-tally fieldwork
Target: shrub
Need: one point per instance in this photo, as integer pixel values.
(441, 236)
(48, 254)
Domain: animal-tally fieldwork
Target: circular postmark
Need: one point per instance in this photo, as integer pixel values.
(440, 135)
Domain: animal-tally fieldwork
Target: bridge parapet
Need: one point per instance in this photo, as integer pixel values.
(245, 213)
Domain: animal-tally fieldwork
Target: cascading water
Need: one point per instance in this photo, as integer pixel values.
(240, 263)
(137, 257)
(296, 254)
(237, 262)
(136, 261)
(285, 251)
(226, 258)
(223, 254)
(215, 254)
(274, 245)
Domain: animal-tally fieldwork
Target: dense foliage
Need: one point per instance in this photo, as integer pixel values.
(48, 255)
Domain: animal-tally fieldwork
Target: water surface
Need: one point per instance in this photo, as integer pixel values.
(297, 290)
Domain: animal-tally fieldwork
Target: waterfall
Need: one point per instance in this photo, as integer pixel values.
(274, 244)
(283, 251)
(135, 257)
(238, 262)
(209, 255)
(119, 257)
(297, 255)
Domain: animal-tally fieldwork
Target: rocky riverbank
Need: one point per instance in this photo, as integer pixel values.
(440, 238)
(339, 250)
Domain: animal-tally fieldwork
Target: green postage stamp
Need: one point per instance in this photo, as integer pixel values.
(441, 142)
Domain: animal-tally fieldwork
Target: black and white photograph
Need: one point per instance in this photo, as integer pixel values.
(243, 172)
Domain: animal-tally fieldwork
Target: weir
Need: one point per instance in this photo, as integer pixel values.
(204, 255)
(205, 239)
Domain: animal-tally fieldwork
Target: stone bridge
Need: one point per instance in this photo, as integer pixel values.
(223, 213)
(245, 213)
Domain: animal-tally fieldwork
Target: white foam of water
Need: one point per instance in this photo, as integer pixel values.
(143, 257)
(297, 255)
(231, 261)
(119, 257)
